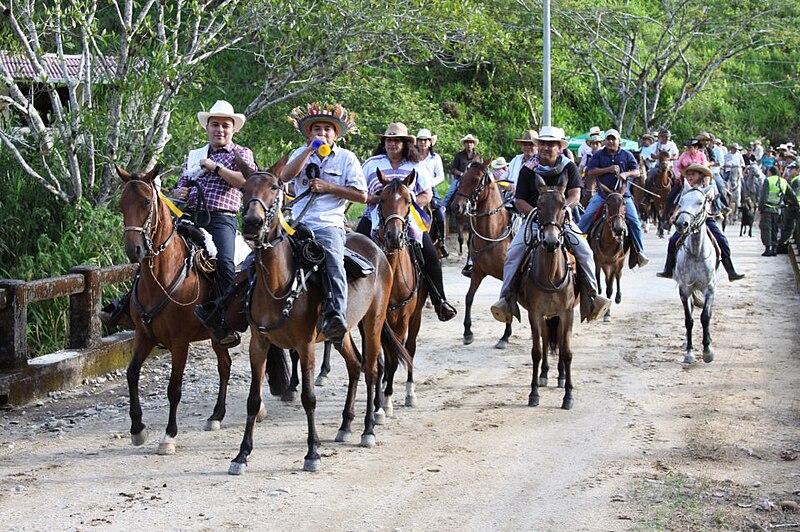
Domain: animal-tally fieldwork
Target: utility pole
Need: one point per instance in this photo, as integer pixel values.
(546, 65)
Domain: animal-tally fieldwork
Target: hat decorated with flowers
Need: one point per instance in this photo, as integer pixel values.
(304, 116)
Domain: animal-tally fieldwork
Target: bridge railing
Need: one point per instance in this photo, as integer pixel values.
(84, 286)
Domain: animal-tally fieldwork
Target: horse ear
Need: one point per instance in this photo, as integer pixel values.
(152, 174)
(605, 189)
(243, 167)
(708, 190)
(381, 178)
(487, 164)
(277, 168)
(686, 185)
(541, 186)
(410, 179)
(624, 188)
(562, 184)
(125, 176)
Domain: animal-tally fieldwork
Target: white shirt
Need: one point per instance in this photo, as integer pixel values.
(584, 149)
(647, 152)
(514, 167)
(341, 168)
(435, 168)
(669, 145)
(733, 160)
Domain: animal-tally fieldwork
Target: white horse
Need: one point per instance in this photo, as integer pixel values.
(734, 185)
(695, 269)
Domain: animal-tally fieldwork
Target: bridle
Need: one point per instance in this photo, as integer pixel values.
(539, 237)
(270, 212)
(151, 222)
(698, 219)
(405, 220)
(472, 205)
(610, 217)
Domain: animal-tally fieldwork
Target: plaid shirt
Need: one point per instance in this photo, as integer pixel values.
(220, 196)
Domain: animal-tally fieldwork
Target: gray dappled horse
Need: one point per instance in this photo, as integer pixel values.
(695, 268)
(734, 186)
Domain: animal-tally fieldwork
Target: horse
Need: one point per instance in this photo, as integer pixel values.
(478, 198)
(547, 291)
(639, 192)
(408, 292)
(752, 180)
(660, 185)
(164, 295)
(734, 186)
(608, 243)
(588, 190)
(284, 308)
(695, 267)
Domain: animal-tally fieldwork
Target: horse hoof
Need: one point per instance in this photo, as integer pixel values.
(543, 381)
(213, 424)
(322, 380)
(379, 417)
(262, 414)
(533, 401)
(708, 355)
(562, 383)
(342, 436)
(688, 359)
(567, 403)
(368, 441)
(236, 468)
(411, 401)
(289, 396)
(469, 338)
(607, 317)
(166, 448)
(311, 465)
(140, 438)
(388, 407)
(501, 344)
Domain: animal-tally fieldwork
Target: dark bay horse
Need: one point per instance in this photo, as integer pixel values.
(407, 299)
(608, 243)
(162, 303)
(479, 200)
(281, 313)
(662, 178)
(547, 291)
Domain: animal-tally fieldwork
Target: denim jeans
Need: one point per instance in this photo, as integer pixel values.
(631, 217)
(332, 240)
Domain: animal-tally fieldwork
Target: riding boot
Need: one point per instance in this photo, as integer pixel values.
(506, 308)
(773, 251)
(118, 313)
(211, 315)
(334, 323)
(732, 275)
(767, 251)
(438, 219)
(669, 267)
(432, 276)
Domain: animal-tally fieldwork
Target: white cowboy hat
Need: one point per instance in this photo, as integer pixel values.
(470, 137)
(595, 131)
(224, 109)
(426, 134)
(552, 134)
(529, 136)
(398, 130)
(498, 163)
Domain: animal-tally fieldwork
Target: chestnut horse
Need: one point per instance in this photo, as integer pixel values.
(608, 243)
(162, 303)
(662, 178)
(408, 291)
(547, 290)
(478, 198)
(284, 309)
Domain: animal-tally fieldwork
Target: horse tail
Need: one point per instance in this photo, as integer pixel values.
(393, 350)
(699, 299)
(552, 334)
(278, 373)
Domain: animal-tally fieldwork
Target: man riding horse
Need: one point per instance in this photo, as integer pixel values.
(551, 165)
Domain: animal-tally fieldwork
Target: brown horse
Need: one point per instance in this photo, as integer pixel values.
(608, 243)
(163, 298)
(478, 199)
(547, 291)
(408, 291)
(662, 177)
(639, 192)
(282, 313)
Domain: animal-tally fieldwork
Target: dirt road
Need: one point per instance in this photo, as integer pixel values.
(648, 444)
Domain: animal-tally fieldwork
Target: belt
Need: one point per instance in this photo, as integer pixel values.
(224, 213)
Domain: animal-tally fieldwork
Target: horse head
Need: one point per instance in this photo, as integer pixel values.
(261, 198)
(394, 209)
(140, 212)
(693, 208)
(614, 210)
(471, 185)
(552, 212)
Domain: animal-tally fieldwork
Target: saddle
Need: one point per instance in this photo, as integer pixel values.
(717, 249)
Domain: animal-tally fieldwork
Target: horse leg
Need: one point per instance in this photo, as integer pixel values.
(372, 348)
(411, 347)
(258, 367)
(689, 323)
(309, 399)
(705, 319)
(325, 368)
(142, 346)
(224, 370)
(565, 358)
(502, 343)
(351, 359)
(291, 391)
(536, 357)
(388, 391)
(618, 277)
(474, 283)
(174, 392)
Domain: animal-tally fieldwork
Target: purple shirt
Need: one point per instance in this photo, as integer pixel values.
(220, 196)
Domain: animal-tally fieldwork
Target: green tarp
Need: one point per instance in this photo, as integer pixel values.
(575, 143)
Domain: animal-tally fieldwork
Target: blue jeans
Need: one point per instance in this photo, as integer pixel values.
(711, 223)
(631, 217)
(222, 229)
(451, 192)
(332, 240)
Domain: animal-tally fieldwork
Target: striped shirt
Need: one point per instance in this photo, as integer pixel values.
(219, 195)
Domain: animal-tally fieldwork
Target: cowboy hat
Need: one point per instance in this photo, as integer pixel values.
(783, 147)
(552, 134)
(595, 131)
(398, 130)
(595, 138)
(498, 163)
(470, 137)
(691, 142)
(648, 136)
(703, 135)
(736, 146)
(791, 154)
(426, 134)
(665, 133)
(223, 109)
(718, 141)
(705, 170)
(529, 136)
(303, 117)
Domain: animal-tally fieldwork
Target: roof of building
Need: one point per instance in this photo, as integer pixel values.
(21, 68)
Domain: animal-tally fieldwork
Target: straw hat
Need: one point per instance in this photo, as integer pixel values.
(595, 131)
(426, 134)
(648, 136)
(552, 134)
(469, 137)
(703, 136)
(498, 163)
(705, 170)
(223, 109)
(529, 136)
(398, 130)
(303, 117)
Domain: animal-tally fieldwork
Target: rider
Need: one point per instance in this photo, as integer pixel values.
(697, 175)
(664, 143)
(551, 165)
(649, 153)
(460, 163)
(339, 180)
(527, 148)
(778, 206)
(609, 166)
(396, 156)
(432, 161)
(586, 148)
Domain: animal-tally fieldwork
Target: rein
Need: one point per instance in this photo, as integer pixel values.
(403, 246)
(609, 218)
(472, 211)
(698, 218)
(535, 242)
